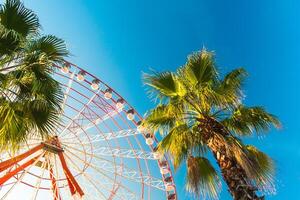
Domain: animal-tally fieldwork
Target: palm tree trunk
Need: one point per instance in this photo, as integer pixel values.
(233, 174)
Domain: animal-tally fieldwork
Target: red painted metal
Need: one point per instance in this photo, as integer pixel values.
(73, 185)
(54, 185)
(100, 104)
(12, 173)
(139, 116)
(8, 163)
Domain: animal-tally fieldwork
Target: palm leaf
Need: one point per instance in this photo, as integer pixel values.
(14, 16)
(202, 179)
(180, 141)
(163, 117)
(46, 50)
(9, 42)
(199, 69)
(177, 143)
(34, 109)
(258, 166)
(205, 95)
(13, 126)
(30, 97)
(165, 84)
(264, 167)
(246, 120)
(231, 87)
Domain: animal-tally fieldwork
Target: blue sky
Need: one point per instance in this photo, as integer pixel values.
(117, 40)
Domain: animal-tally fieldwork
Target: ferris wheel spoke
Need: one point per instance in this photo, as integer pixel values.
(25, 171)
(97, 187)
(55, 166)
(123, 194)
(103, 151)
(87, 153)
(121, 188)
(94, 123)
(124, 153)
(54, 187)
(8, 155)
(10, 162)
(99, 171)
(86, 127)
(13, 186)
(67, 90)
(73, 184)
(115, 135)
(121, 153)
(105, 175)
(131, 174)
(38, 183)
(86, 177)
(79, 114)
(89, 113)
(96, 183)
(125, 172)
(108, 136)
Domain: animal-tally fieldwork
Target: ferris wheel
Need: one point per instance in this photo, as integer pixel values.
(99, 151)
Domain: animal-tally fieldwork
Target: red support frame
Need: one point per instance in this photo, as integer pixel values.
(10, 174)
(73, 184)
(100, 103)
(54, 185)
(8, 163)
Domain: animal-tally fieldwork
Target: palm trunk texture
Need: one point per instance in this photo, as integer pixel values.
(233, 174)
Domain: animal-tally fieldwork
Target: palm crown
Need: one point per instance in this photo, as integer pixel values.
(30, 98)
(198, 111)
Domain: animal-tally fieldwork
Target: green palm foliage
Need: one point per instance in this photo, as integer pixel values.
(30, 98)
(198, 111)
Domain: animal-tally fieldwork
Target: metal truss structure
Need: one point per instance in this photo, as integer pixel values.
(99, 150)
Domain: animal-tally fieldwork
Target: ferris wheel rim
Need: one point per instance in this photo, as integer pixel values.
(135, 123)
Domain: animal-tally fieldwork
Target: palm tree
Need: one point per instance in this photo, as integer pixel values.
(30, 98)
(200, 112)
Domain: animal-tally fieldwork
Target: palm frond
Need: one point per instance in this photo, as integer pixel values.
(9, 42)
(247, 120)
(264, 168)
(46, 50)
(207, 99)
(199, 69)
(45, 119)
(13, 126)
(30, 100)
(177, 143)
(181, 141)
(43, 86)
(165, 84)
(202, 178)
(34, 108)
(14, 16)
(204, 95)
(230, 88)
(163, 117)
(258, 166)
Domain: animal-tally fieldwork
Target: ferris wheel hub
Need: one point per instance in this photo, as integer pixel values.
(52, 148)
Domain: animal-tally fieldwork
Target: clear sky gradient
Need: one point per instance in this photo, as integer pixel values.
(117, 40)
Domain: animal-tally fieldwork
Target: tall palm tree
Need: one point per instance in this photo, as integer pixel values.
(200, 112)
(29, 97)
